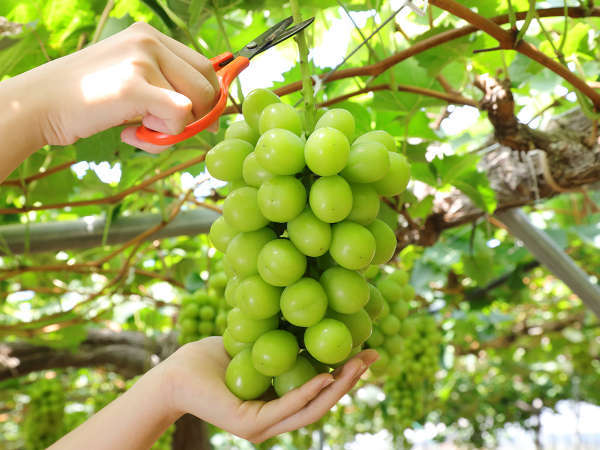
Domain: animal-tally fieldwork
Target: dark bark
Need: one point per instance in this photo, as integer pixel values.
(127, 353)
(191, 433)
(564, 157)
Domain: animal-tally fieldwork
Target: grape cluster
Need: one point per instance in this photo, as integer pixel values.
(410, 387)
(44, 419)
(202, 314)
(299, 225)
(390, 308)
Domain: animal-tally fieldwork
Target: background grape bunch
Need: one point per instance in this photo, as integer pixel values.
(44, 419)
(202, 314)
(299, 226)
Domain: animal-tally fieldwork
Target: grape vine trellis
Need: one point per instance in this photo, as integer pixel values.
(569, 166)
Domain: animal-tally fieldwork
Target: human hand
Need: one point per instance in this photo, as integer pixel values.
(137, 72)
(195, 379)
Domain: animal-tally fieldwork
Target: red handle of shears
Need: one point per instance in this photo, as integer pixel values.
(226, 75)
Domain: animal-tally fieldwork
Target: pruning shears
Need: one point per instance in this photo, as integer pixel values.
(228, 66)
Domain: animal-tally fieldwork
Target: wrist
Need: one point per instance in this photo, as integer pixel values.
(162, 381)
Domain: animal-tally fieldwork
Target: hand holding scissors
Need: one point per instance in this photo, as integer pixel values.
(228, 66)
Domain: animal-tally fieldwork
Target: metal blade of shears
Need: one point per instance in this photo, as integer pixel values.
(273, 36)
(292, 31)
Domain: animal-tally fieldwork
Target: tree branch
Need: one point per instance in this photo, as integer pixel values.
(378, 68)
(126, 352)
(453, 98)
(507, 41)
(115, 198)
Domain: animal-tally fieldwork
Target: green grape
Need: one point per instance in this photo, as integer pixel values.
(301, 372)
(396, 179)
(385, 241)
(367, 162)
(221, 322)
(326, 151)
(408, 293)
(217, 282)
(233, 347)
(399, 276)
(365, 204)
(394, 344)
(379, 366)
(330, 199)
(225, 160)
(191, 310)
(243, 379)
(375, 340)
(304, 303)
(241, 210)
(374, 307)
(254, 104)
(231, 291)
(275, 352)
(207, 312)
(400, 309)
(188, 326)
(244, 329)
(235, 185)
(309, 234)
(242, 251)
(281, 152)
(390, 325)
(257, 298)
(388, 215)
(340, 119)
(221, 234)
(383, 137)
(280, 115)
(241, 130)
(390, 290)
(329, 341)
(280, 263)
(359, 324)
(352, 245)
(347, 291)
(281, 198)
(206, 328)
(371, 272)
(254, 174)
(385, 310)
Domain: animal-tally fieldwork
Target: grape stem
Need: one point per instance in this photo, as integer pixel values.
(307, 86)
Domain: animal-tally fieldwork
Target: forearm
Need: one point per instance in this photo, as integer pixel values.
(20, 112)
(133, 421)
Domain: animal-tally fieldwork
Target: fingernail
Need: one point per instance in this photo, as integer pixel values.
(327, 382)
(360, 369)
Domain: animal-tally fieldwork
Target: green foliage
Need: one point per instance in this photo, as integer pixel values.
(503, 350)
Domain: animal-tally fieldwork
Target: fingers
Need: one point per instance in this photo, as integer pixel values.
(193, 58)
(185, 79)
(292, 401)
(314, 409)
(128, 136)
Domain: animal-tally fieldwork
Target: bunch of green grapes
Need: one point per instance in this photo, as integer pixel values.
(299, 225)
(390, 308)
(44, 419)
(410, 387)
(201, 315)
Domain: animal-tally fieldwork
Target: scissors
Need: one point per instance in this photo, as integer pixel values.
(228, 66)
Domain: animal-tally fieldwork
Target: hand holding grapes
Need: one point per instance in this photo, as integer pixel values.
(196, 380)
